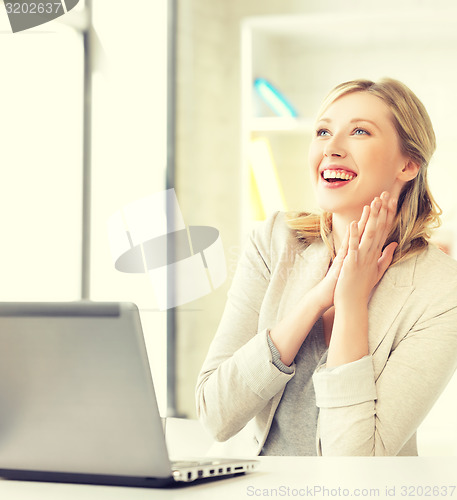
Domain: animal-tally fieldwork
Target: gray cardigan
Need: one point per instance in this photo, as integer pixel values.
(372, 406)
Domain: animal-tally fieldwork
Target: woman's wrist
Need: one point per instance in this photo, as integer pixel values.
(320, 298)
(349, 340)
(352, 302)
(289, 334)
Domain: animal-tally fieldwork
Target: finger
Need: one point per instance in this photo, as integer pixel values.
(386, 259)
(369, 234)
(353, 241)
(345, 243)
(391, 212)
(363, 219)
(381, 233)
(341, 254)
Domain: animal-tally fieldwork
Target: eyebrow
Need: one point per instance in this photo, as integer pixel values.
(354, 120)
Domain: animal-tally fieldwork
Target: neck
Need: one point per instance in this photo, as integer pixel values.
(339, 224)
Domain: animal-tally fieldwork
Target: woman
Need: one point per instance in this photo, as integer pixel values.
(340, 331)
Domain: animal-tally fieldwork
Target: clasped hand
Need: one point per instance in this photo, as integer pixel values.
(361, 260)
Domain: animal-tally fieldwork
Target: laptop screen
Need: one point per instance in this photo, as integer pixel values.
(76, 393)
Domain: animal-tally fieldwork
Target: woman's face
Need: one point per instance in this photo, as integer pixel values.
(355, 155)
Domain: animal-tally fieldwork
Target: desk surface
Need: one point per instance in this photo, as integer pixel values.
(288, 477)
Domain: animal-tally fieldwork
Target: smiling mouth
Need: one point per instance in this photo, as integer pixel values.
(332, 176)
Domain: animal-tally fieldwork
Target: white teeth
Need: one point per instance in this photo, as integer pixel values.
(334, 174)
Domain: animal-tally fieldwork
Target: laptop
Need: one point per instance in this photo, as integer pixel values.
(77, 401)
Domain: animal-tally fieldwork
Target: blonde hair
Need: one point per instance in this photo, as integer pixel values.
(417, 212)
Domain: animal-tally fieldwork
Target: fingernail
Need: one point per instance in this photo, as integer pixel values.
(393, 202)
(377, 204)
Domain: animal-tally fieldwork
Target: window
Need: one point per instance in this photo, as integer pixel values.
(41, 103)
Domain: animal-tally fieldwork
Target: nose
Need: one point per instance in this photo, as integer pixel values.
(334, 147)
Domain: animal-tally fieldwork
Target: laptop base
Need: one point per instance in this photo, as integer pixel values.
(104, 480)
(93, 479)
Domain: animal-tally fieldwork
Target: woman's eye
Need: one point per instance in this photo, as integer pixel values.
(322, 132)
(361, 131)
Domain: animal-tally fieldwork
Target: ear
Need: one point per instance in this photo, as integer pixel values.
(409, 171)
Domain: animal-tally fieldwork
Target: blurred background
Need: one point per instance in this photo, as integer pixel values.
(118, 100)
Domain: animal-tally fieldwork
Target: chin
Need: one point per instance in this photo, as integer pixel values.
(332, 206)
(345, 203)
(344, 209)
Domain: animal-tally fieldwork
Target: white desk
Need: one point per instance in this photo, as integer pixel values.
(286, 477)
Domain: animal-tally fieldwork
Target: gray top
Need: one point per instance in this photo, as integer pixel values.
(294, 425)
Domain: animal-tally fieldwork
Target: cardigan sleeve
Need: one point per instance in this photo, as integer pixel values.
(361, 415)
(238, 377)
